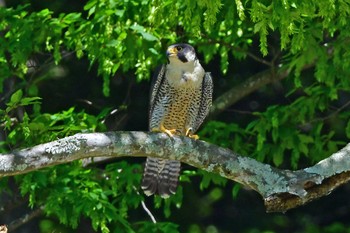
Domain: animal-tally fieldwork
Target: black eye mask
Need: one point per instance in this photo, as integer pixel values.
(182, 57)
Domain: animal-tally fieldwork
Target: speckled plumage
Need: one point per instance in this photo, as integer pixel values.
(181, 97)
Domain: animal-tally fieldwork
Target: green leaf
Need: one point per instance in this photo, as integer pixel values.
(16, 98)
(90, 4)
(149, 36)
(140, 29)
(30, 100)
(106, 82)
(277, 156)
(152, 50)
(347, 130)
(211, 178)
(261, 141)
(112, 43)
(72, 17)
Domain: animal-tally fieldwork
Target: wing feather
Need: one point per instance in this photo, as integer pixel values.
(158, 79)
(206, 100)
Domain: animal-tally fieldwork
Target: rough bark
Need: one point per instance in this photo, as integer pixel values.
(281, 189)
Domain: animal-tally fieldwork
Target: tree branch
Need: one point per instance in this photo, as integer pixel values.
(281, 189)
(250, 85)
(25, 219)
(243, 89)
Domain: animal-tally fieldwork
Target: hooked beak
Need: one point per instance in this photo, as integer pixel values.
(171, 52)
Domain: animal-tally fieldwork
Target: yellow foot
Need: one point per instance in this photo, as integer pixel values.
(190, 135)
(162, 129)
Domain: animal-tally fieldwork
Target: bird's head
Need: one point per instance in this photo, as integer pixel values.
(181, 52)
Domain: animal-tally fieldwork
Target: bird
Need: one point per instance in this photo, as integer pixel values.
(181, 97)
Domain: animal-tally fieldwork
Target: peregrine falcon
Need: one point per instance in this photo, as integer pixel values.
(181, 96)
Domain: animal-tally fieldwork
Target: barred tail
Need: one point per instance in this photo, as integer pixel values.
(160, 177)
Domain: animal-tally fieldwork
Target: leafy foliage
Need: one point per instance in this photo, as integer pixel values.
(70, 191)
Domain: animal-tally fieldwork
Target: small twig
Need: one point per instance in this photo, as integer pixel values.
(145, 207)
(239, 111)
(148, 212)
(229, 46)
(25, 219)
(38, 68)
(331, 114)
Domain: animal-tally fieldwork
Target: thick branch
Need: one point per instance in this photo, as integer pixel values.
(281, 189)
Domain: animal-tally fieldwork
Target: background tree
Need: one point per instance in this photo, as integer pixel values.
(68, 67)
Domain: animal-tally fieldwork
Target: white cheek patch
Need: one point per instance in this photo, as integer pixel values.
(190, 56)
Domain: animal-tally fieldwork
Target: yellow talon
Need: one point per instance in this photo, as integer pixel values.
(170, 132)
(162, 129)
(194, 136)
(190, 135)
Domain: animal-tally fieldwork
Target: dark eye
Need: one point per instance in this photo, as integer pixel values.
(178, 48)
